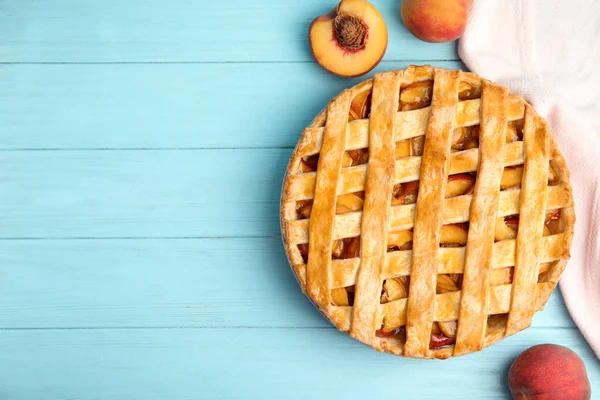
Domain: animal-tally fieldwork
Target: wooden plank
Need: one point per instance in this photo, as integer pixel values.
(180, 30)
(249, 364)
(163, 283)
(164, 106)
(155, 193)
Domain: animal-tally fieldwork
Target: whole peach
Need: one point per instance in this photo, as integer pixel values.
(549, 372)
(436, 20)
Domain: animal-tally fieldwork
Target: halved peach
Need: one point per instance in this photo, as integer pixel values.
(453, 235)
(460, 184)
(511, 177)
(350, 40)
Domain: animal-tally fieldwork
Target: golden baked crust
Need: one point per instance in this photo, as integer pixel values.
(380, 265)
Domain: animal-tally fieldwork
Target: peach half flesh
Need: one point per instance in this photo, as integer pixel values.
(350, 40)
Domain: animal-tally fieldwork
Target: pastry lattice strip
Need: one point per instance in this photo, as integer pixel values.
(451, 260)
(407, 169)
(413, 123)
(429, 216)
(446, 306)
(456, 210)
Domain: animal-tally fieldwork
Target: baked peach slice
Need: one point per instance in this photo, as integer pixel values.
(511, 177)
(453, 235)
(394, 289)
(459, 185)
(436, 20)
(506, 228)
(347, 203)
(401, 240)
(350, 40)
(343, 296)
(404, 148)
(416, 95)
(465, 138)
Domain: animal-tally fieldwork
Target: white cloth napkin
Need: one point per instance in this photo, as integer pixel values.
(549, 52)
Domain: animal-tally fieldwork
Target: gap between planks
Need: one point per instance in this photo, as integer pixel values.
(428, 60)
(175, 327)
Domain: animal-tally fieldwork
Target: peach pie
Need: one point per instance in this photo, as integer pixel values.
(427, 212)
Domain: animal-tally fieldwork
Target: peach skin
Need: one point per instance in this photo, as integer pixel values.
(436, 20)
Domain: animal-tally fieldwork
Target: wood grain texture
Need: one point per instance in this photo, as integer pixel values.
(181, 31)
(142, 148)
(165, 105)
(209, 283)
(66, 194)
(251, 363)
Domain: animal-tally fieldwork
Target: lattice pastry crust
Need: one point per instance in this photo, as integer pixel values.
(427, 212)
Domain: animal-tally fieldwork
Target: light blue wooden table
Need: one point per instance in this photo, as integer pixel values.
(142, 148)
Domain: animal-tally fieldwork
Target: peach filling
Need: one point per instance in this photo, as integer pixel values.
(507, 227)
(342, 249)
(415, 96)
(343, 296)
(345, 203)
(443, 333)
(468, 91)
(465, 138)
(457, 185)
(360, 108)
